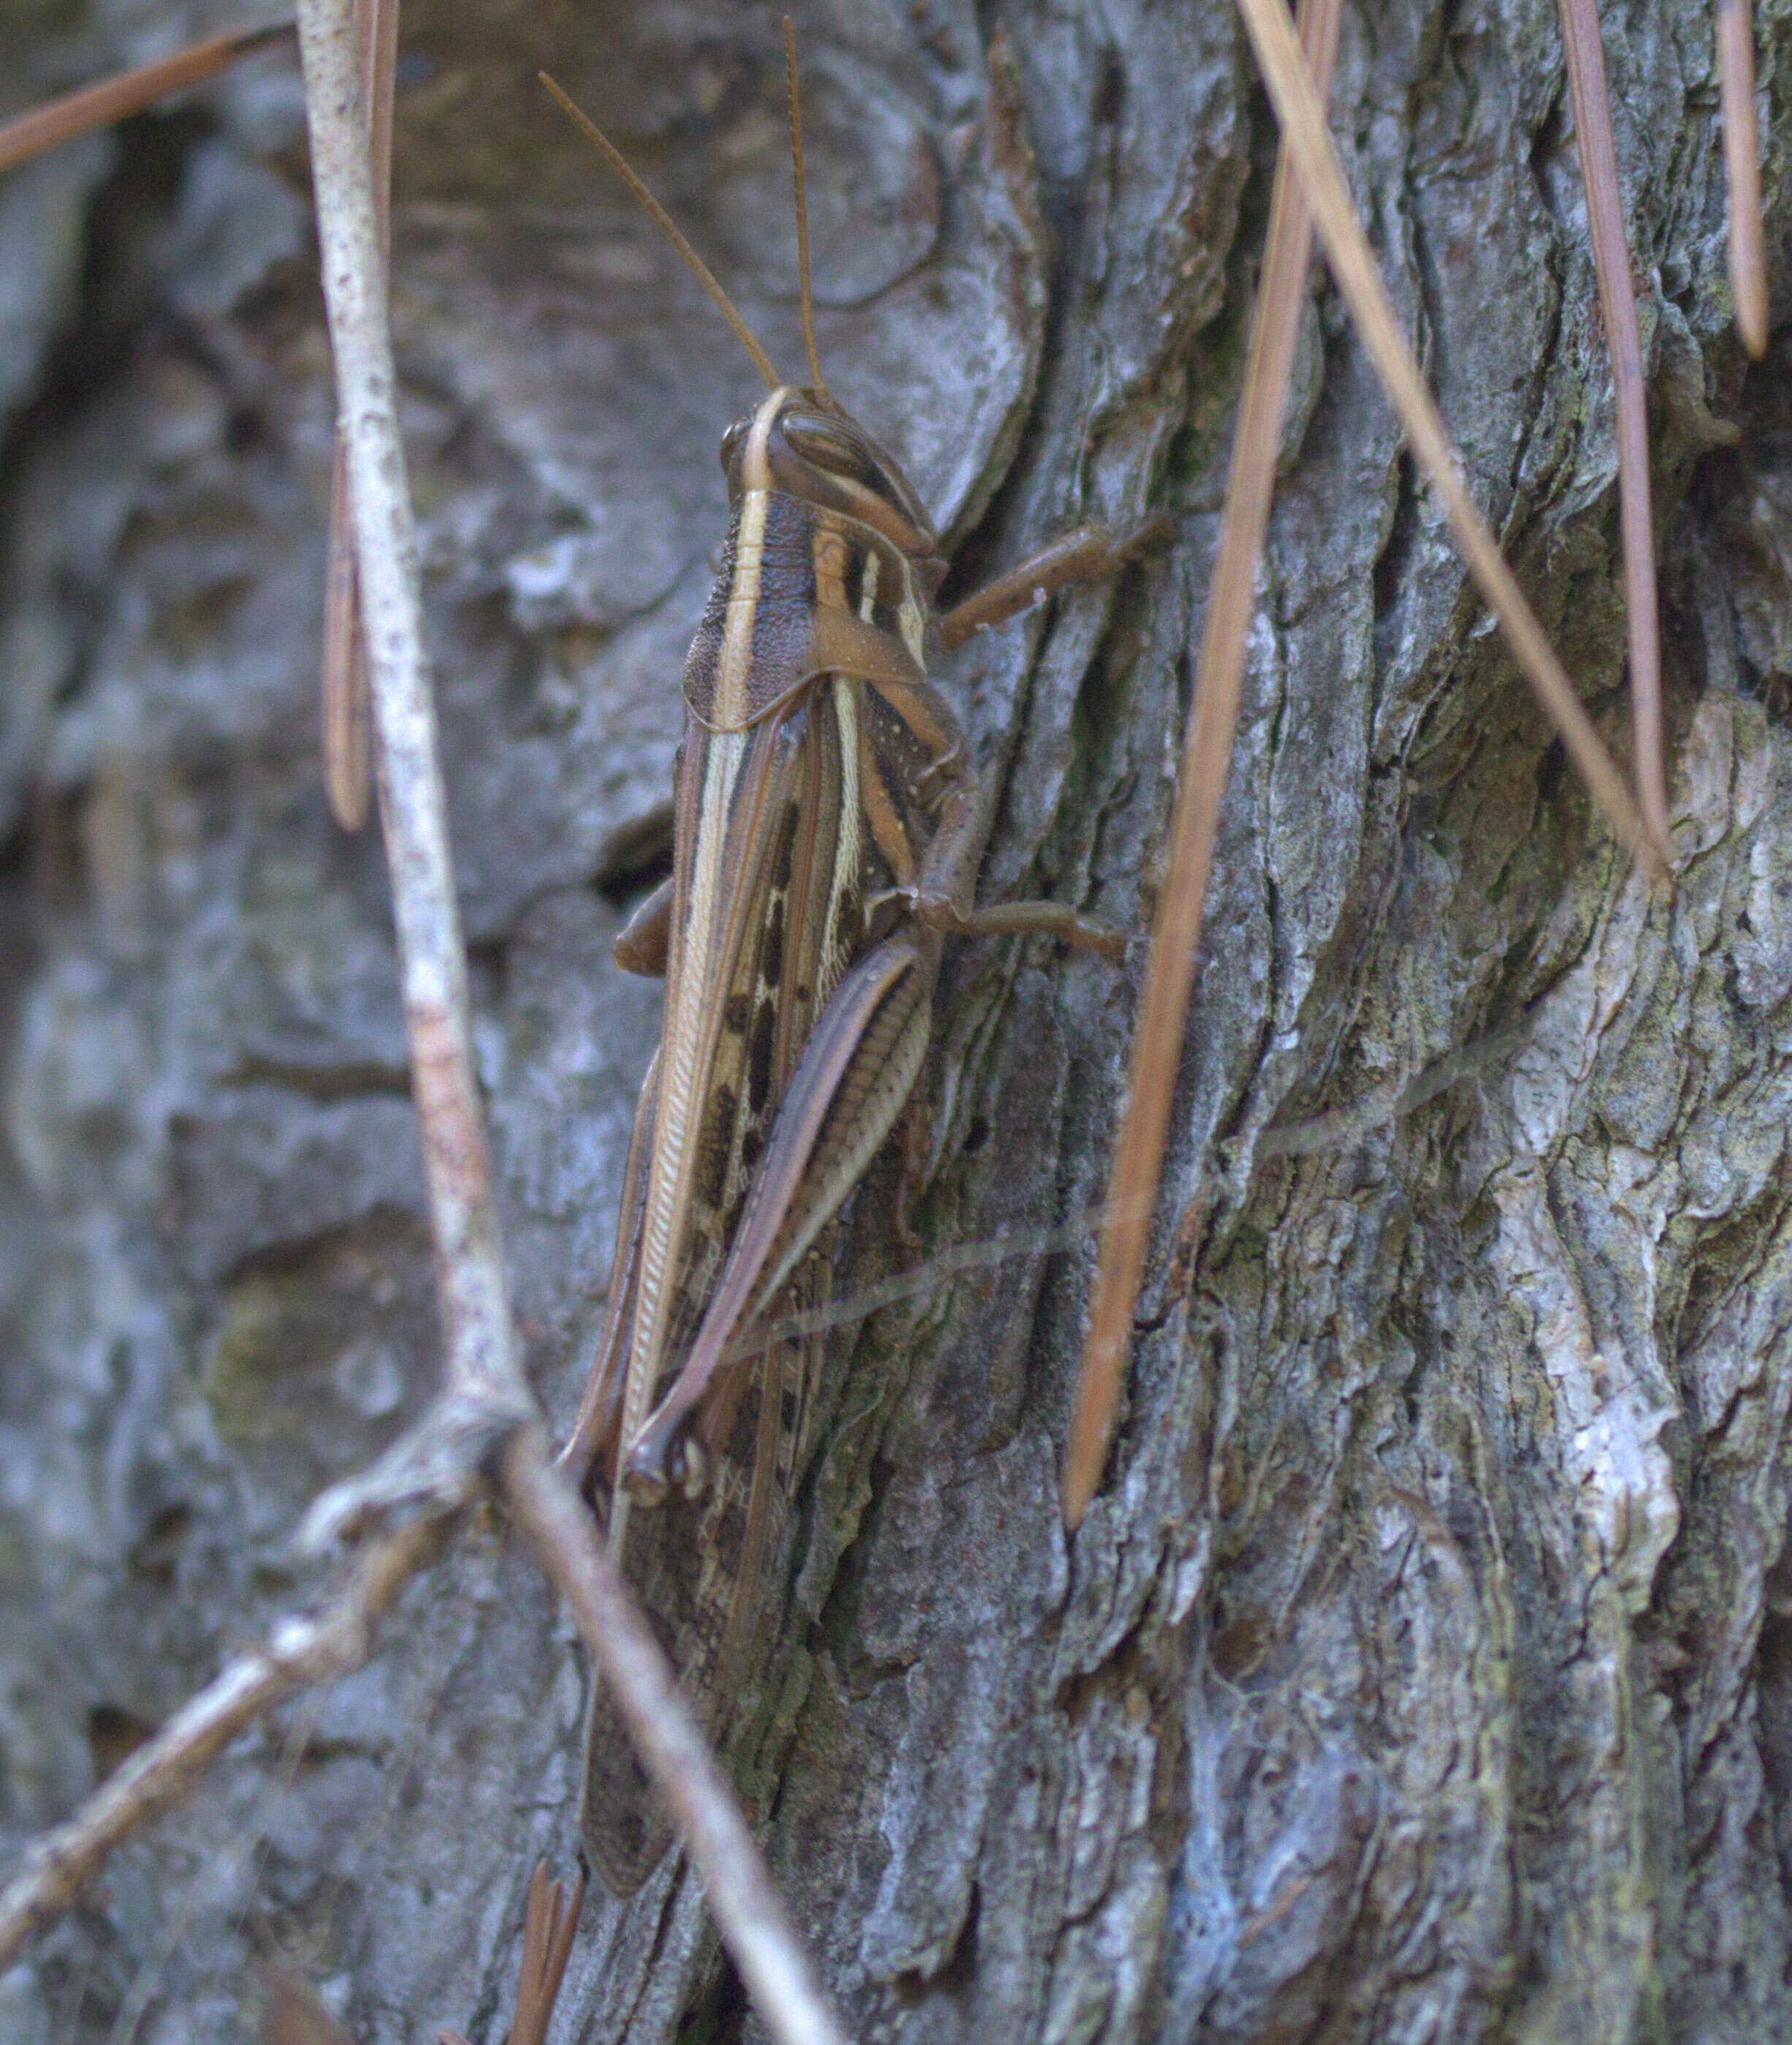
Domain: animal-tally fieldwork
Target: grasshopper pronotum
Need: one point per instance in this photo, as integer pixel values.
(826, 840)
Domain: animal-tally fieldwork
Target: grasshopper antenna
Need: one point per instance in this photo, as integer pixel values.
(663, 220)
(820, 381)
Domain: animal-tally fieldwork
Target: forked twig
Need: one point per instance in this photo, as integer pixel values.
(1618, 301)
(1157, 1044)
(346, 765)
(1353, 265)
(303, 1651)
(1742, 162)
(130, 92)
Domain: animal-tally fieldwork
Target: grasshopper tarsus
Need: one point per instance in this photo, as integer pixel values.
(1027, 919)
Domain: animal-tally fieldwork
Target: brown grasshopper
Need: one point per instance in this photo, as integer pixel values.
(828, 835)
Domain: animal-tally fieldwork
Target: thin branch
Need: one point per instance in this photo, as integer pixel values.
(1742, 160)
(481, 1360)
(346, 765)
(1618, 301)
(114, 98)
(1132, 1184)
(161, 1771)
(1353, 264)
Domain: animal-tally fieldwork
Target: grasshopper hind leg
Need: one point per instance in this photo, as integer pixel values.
(856, 1073)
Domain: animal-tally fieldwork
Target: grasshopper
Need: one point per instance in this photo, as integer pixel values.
(828, 824)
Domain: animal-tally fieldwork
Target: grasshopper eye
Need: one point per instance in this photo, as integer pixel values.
(732, 442)
(822, 442)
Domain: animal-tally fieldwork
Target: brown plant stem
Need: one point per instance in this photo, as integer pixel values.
(1617, 303)
(1742, 162)
(114, 98)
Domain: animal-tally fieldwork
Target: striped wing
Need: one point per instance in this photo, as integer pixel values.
(775, 809)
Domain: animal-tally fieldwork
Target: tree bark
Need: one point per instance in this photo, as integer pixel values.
(1424, 1670)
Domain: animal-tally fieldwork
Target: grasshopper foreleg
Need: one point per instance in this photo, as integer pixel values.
(1084, 554)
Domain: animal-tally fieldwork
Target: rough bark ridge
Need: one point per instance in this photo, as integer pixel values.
(1425, 1670)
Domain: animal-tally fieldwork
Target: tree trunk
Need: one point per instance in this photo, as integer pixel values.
(1424, 1670)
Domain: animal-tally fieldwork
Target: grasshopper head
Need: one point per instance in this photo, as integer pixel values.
(802, 441)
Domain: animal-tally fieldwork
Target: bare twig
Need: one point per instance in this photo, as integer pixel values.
(1742, 159)
(162, 1770)
(1618, 301)
(1132, 1184)
(1353, 264)
(480, 1361)
(346, 741)
(113, 98)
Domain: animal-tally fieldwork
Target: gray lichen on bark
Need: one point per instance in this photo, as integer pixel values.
(1424, 1670)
